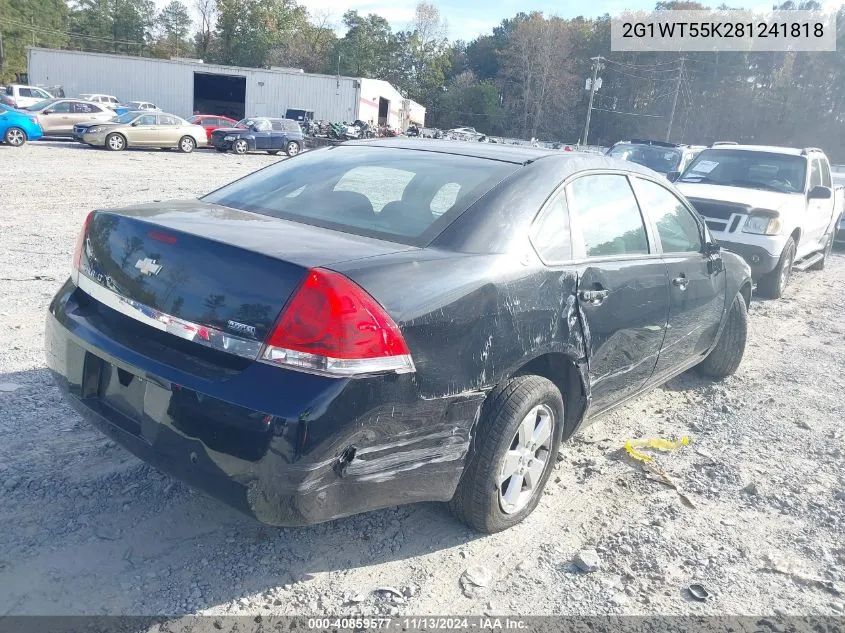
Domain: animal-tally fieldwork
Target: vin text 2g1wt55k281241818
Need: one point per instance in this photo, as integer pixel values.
(388, 322)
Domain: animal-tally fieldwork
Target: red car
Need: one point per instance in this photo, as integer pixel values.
(211, 122)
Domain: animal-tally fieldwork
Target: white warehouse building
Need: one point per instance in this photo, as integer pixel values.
(184, 87)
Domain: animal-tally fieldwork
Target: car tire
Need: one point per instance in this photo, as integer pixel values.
(486, 498)
(292, 148)
(115, 142)
(15, 137)
(240, 146)
(724, 359)
(774, 283)
(828, 249)
(187, 144)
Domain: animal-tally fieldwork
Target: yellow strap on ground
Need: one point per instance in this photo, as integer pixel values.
(657, 442)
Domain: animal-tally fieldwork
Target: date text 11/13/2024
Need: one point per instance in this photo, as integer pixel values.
(419, 624)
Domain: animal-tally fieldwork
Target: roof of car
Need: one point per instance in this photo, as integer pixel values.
(772, 149)
(567, 162)
(507, 153)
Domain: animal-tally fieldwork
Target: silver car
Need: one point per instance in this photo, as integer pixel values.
(146, 129)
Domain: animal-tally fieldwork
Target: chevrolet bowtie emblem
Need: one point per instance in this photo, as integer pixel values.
(148, 266)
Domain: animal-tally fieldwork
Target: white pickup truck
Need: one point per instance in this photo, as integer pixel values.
(774, 206)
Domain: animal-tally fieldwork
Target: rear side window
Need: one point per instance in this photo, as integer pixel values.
(389, 193)
(815, 173)
(676, 227)
(24, 92)
(167, 120)
(825, 174)
(551, 235)
(605, 219)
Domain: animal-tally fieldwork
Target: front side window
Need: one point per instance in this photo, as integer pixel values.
(826, 182)
(146, 120)
(605, 219)
(815, 173)
(676, 227)
(59, 107)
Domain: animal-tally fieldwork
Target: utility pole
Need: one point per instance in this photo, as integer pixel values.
(675, 99)
(596, 62)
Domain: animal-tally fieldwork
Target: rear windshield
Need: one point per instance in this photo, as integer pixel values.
(660, 159)
(405, 196)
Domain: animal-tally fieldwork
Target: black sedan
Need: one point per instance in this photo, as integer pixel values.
(260, 134)
(388, 322)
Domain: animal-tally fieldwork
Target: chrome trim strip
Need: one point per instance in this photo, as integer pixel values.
(188, 330)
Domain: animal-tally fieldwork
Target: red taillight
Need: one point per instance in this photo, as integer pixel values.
(332, 326)
(80, 244)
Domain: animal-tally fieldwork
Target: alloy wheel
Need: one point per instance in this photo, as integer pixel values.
(241, 146)
(524, 463)
(293, 149)
(116, 142)
(15, 137)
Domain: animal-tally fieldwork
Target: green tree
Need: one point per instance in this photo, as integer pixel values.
(174, 23)
(368, 49)
(27, 22)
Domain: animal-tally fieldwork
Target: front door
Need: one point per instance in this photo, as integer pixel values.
(56, 120)
(143, 132)
(696, 280)
(622, 286)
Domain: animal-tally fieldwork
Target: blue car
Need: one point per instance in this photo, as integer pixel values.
(17, 127)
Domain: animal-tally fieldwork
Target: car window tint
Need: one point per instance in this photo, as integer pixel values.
(444, 198)
(605, 217)
(83, 108)
(59, 107)
(678, 230)
(815, 173)
(167, 120)
(825, 174)
(551, 235)
(379, 184)
(374, 191)
(146, 120)
(24, 92)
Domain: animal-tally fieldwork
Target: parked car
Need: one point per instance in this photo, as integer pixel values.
(57, 117)
(464, 133)
(837, 173)
(145, 129)
(260, 133)
(110, 101)
(669, 159)
(138, 106)
(20, 96)
(299, 115)
(79, 129)
(211, 122)
(773, 205)
(335, 334)
(17, 127)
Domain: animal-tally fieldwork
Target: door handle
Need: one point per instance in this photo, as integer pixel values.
(594, 297)
(681, 282)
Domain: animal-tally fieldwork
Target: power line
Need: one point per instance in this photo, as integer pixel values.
(70, 34)
(655, 116)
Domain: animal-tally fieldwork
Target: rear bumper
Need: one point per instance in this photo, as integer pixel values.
(284, 447)
(758, 258)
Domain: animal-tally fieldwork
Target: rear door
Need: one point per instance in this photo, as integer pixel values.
(169, 130)
(622, 285)
(696, 281)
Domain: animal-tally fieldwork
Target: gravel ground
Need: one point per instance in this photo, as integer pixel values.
(87, 528)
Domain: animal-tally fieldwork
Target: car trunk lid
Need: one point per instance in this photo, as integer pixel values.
(226, 269)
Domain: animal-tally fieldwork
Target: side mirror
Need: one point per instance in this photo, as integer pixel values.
(47, 112)
(135, 123)
(820, 192)
(712, 248)
(672, 176)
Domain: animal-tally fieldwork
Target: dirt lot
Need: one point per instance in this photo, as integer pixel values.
(86, 528)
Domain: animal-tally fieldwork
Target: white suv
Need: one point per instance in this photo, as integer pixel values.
(110, 101)
(774, 206)
(24, 96)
